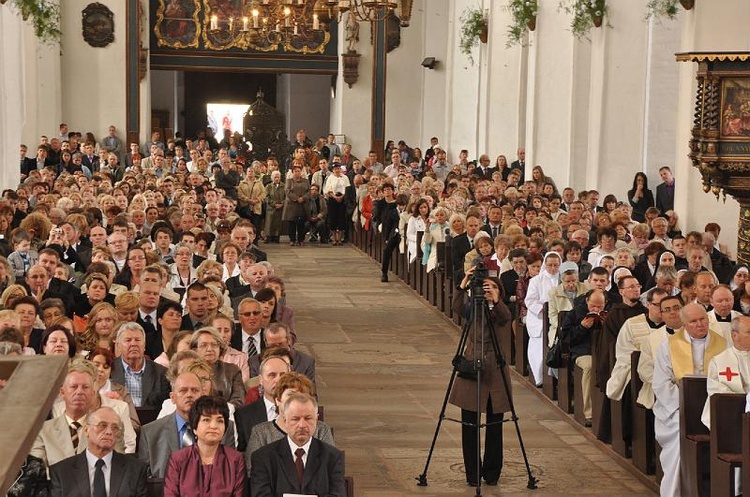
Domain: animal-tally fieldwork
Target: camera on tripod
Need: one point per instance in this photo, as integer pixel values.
(476, 283)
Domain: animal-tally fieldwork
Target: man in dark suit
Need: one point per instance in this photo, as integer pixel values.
(665, 191)
(263, 409)
(148, 304)
(277, 335)
(113, 473)
(247, 336)
(520, 164)
(239, 286)
(509, 279)
(197, 307)
(90, 159)
(27, 163)
(462, 245)
(494, 221)
(298, 463)
(484, 169)
(78, 256)
(145, 380)
(172, 432)
(42, 287)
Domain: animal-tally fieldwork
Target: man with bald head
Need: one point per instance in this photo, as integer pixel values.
(688, 352)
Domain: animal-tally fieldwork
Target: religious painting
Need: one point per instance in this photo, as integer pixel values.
(177, 24)
(735, 107)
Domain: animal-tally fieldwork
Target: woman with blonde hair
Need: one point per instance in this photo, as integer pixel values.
(38, 226)
(13, 292)
(433, 235)
(101, 327)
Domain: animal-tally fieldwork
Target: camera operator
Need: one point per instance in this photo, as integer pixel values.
(493, 398)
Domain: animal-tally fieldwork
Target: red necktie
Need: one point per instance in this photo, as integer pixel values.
(299, 464)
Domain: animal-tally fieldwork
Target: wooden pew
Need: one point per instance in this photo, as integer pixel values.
(746, 452)
(694, 437)
(620, 409)
(565, 372)
(727, 411)
(549, 383)
(643, 450)
(155, 487)
(522, 343)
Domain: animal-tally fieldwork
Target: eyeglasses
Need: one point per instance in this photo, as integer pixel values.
(250, 313)
(632, 287)
(102, 426)
(208, 345)
(671, 309)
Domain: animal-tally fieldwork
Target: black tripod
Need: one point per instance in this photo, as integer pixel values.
(477, 318)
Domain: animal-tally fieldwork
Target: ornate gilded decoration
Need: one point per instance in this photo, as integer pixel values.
(98, 24)
(720, 143)
(178, 23)
(233, 20)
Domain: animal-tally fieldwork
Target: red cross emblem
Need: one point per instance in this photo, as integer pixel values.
(729, 374)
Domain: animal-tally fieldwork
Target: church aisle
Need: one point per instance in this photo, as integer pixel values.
(383, 362)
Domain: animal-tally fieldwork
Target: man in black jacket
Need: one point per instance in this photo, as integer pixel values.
(462, 245)
(578, 329)
(386, 213)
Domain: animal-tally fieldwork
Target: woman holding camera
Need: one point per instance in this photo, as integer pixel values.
(494, 398)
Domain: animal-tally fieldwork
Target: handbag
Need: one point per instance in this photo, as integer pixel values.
(464, 368)
(554, 354)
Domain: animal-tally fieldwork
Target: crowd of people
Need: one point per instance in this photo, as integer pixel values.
(142, 264)
(145, 273)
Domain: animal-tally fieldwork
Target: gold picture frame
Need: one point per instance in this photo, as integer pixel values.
(178, 23)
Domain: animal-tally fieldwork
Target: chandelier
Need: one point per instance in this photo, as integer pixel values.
(292, 25)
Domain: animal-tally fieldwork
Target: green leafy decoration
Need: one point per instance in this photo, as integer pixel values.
(522, 12)
(662, 9)
(473, 21)
(584, 12)
(44, 16)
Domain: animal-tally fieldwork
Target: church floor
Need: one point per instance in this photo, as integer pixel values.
(383, 363)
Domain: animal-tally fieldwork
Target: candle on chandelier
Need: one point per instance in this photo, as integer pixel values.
(245, 22)
(316, 22)
(231, 23)
(287, 19)
(296, 29)
(214, 22)
(255, 18)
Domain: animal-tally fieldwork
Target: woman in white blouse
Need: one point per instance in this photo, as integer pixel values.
(417, 223)
(334, 190)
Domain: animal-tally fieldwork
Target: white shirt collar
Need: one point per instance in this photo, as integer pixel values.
(271, 413)
(293, 447)
(91, 458)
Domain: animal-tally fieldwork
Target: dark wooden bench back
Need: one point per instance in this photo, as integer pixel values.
(693, 397)
(727, 410)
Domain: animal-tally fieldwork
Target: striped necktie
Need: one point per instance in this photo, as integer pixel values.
(74, 437)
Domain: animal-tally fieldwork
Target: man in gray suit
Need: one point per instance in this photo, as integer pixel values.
(99, 471)
(165, 435)
(277, 335)
(145, 380)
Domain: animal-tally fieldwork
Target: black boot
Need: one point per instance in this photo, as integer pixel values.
(384, 278)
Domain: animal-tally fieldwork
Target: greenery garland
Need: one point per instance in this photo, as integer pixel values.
(586, 15)
(523, 13)
(473, 22)
(662, 9)
(44, 16)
